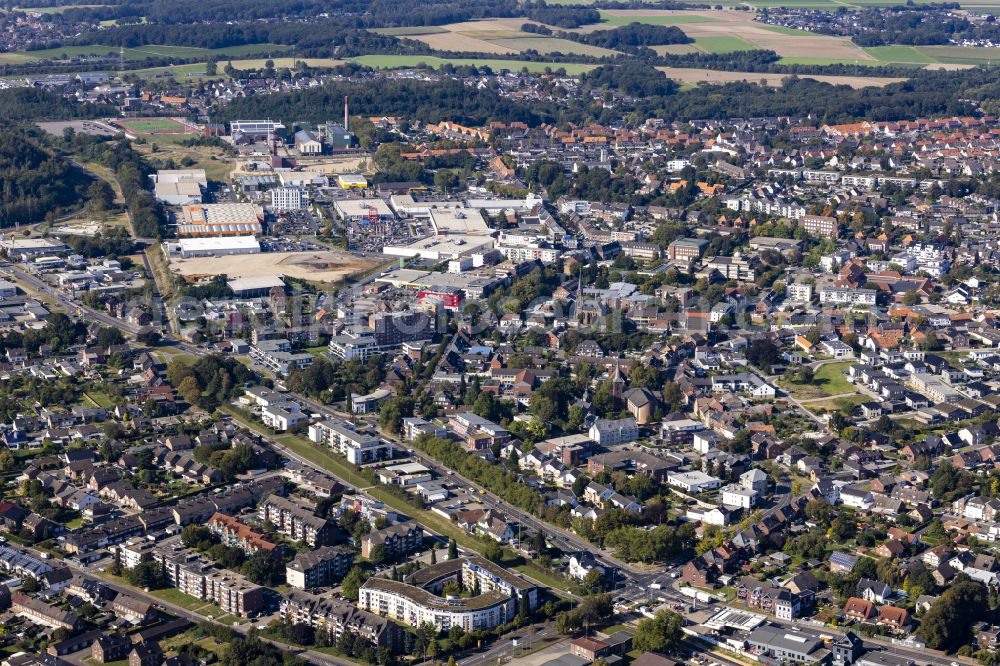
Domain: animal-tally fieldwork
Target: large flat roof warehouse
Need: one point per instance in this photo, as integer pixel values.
(227, 219)
(263, 283)
(359, 208)
(459, 221)
(220, 245)
(439, 248)
(497, 205)
(180, 176)
(31, 245)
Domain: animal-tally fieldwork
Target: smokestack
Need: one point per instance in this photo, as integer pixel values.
(345, 114)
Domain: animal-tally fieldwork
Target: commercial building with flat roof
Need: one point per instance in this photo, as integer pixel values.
(259, 129)
(255, 287)
(222, 246)
(226, 219)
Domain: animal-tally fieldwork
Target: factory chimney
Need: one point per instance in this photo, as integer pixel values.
(346, 128)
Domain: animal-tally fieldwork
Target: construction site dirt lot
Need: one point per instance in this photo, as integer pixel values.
(323, 266)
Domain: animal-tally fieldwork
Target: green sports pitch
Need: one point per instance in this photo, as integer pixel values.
(155, 126)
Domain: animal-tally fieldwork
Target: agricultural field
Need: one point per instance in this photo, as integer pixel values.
(408, 31)
(400, 61)
(545, 45)
(497, 37)
(722, 31)
(693, 76)
(727, 44)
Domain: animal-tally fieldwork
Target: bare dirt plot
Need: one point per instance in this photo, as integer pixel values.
(692, 75)
(950, 67)
(456, 41)
(327, 266)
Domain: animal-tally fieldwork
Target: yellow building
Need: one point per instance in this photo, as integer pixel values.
(352, 180)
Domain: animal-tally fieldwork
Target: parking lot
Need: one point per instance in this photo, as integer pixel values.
(301, 222)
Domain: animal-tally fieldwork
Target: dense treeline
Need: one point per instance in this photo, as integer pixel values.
(928, 94)
(20, 104)
(630, 78)
(496, 478)
(132, 171)
(564, 16)
(317, 38)
(34, 183)
(633, 34)
(210, 381)
(430, 102)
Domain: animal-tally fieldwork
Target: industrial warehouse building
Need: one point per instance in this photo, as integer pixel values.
(356, 210)
(255, 287)
(221, 246)
(179, 188)
(226, 219)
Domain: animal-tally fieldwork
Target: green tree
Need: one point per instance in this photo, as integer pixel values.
(353, 581)
(660, 633)
(452, 549)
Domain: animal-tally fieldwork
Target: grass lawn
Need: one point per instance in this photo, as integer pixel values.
(400, 61)
(724, 44)
(831, 379)
(543, 576)
(847, 402)
(120, 662)
(99, 399)
(217, 169)
(178, 598)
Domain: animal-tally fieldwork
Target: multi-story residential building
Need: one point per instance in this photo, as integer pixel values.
(197, 577)
(296, 521)
(322, 566)
(783, 604)
(399, 539)
(820, 225)
(391, 329)
(847, 296)
(358, 447)
(336, 616)
(736, 267)
(473, 427)
(799, 292)
(276, 355)
(233, 533)
(416, 601)
(608, 432)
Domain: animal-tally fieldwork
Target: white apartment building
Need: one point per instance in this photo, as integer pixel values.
(359, 448)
